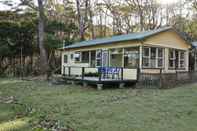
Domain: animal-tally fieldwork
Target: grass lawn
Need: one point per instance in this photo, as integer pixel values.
(24, 105)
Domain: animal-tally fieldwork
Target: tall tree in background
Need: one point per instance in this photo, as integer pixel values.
(41, 21)
(85, 17)
(81, 21)
(41, 36)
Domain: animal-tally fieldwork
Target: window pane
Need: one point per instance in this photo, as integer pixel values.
(65, 58)
(171, 53)
(116, 60)
(145, 51)
(153, 63)
(145, 62)
(98, 62)
(131, 57)
(182, 63)
(93, 59)
(160, 62)
(98, 54)
(77, 56)
(85, 57)
(153, 53)
(160, 52)
(182, 54)
(171, 63)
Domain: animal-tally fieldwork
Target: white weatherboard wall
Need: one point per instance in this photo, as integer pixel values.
(71, 62)
(130, 74)
(90, 70)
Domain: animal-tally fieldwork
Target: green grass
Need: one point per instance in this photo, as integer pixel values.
(86, 109)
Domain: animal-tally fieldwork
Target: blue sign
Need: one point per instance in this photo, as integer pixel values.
(109, 70)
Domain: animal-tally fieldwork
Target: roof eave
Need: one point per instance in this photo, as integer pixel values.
(137, 39)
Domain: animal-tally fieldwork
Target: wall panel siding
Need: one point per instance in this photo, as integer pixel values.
(91, 70)
(168, 39)
(130, 74)
(71, 62)
(76, 71)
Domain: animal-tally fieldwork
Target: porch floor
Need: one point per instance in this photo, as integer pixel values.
(95, 80)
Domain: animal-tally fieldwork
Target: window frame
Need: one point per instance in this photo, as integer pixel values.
(98, 58)
(146, 57)
(156, 58)
(160, 58)
(134, 51)
(181, 59)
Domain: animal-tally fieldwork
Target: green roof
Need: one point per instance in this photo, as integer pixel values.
(118, 38)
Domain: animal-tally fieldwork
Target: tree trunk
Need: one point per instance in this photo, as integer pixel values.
(43, 55)
(31, 63)
(91, 21)
(80, 20)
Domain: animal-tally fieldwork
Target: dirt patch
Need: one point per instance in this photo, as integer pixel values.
(52, 125)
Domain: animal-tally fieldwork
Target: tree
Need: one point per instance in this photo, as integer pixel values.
(41, 36)
(16, 41)
(41, 23)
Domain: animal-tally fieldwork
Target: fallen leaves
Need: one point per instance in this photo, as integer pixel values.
(7, 99)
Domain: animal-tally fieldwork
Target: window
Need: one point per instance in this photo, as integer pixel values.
(176, 58)
(85, 57)
(182, 59)
(146, 56)
(93, 60)
(160, 57)
(116, 56)
(98, 58)
(65, 58)
(153, 57)
(172, 58)
(131, 57)
(77, 56)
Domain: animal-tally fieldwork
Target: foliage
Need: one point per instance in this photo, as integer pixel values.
(17, 39)
(15, 35)
(59, 32)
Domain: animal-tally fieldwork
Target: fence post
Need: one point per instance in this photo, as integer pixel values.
(122, 73)
(99, 73)
(138, 74)
(160, 79)
(63, 70)
(190, 75)
(176, 77)
(69, 70)
(83, 70)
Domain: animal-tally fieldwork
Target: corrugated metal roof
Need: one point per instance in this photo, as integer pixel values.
(119, 38)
